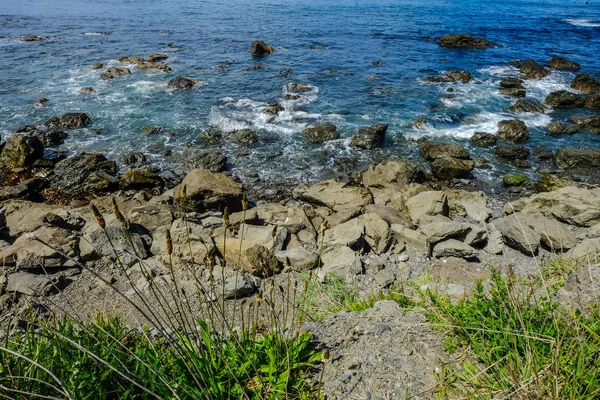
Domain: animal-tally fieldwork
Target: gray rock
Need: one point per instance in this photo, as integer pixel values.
(350, 234)
(181, 83)
(237, 287)
(299, 258)
(393, 173)
(516, 234)
(564, 99)
(513, 152)
(475, 234)
(270, 236)
(28, 253)
(585, 84)
(342, 261)
(494, 244)
(532, 69)
(527, 106)
(202, 189)
(336, 195)
(320, 133)
(377, 232)
(561, 128)
(385, 278)
(439, 231)
(84, 175)
(577, 157)
(588, 250)
(414, 238)
(209, 160)
(449, 168)
(246, 137)
(29, 284)
(588, 123)
(513, 130)
(563, 64)
(483, 139)
(72, 120)
(471, 204)
(454, 248)
(427, 203)
(370, 137)
(436, 150)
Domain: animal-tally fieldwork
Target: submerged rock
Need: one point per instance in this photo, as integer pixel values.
(156, 57)
(563, 64)
(320, 133)
(210, 160)
(483, 139)
(561, 128)
(451, 76)
(585, 84)
(577, 157)
(589, 123)
(130, 60)
(134, 159)
(532, 70)
(369, 137)
(115, 71)
(72, 120)
(512, 152)
(246, 137)
(260, 48)
(180, 82)
(515, 180)
(153, 66)
(512, 87)
(564, 99)
(463, 41)
(513, 130)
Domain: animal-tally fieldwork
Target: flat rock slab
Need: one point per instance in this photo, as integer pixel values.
(335, 195)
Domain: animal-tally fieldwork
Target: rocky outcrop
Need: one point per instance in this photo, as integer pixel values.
(201, 190)
(157, 57)
(483, 139)
(153, 66)
(512, 87)
(518, 235)
(592, 101)
(369, 137)
(430, 203)
(336, 195)
(448, 160)
(138, 179)
(20, 151)
(246, 137)
(532, 70)
(564, 99)
(72, 120)
(577, 157)
(563, 64)
(589, 123)
(434, 150)
(210, 160)
(585, 84)
(396, 173)
(84, 175)
(512, 152)
(451, 77)
(320, 133)
(561, 128)
(28, 253)
(260, 48)
(114, 72)
(513, 130)
(526, 106)
(180, 82)
(463, 41)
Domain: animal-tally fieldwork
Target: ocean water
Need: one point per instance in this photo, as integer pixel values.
(209, 40)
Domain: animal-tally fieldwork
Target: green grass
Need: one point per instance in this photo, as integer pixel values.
(518, 346)
(105, 360)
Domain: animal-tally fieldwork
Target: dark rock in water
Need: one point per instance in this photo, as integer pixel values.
(298, 88)
(84, 175)
(98, 66)
(577, 157)
(585, 84)
(377, 63)
(436, 150)
(522, 164)
(320, 133)
(463, 41)
(448, 168)
(88, 89)
(525, 106)
(542, 153)
(130, 60)
(180, 82)
(145, 66)
(532, 70)
(593, 102)
(452, 76)
(209, 160)
(21, 151)
(589, 123)
(53, 138)
(514, 92)
(151, 130)
(563, 64)
(246, 137)
(134, 159)
(560, 128)
(30, 129)
(41, 100)
(512, 83)
(202, 189)
(512, 152)
(156, 57)
(419, 123)
(288, 97)
(345, 164)
(515, 180)
(72, 120)
(483, 139)
(137, 179)
(32, 38)
(27, 189)
(115, 71)
(273, 109)
(256, 67)
(211, 137)
(260, 48)
(564, 99)
(369, 137)
(513, 130)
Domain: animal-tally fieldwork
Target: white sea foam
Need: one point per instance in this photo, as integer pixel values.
(540, 88)
(146, 87)
(584, 22)
(499, 70)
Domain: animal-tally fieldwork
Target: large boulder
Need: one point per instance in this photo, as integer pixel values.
(563, 64)
(554, 234)
(342, 261)
(577, 157)
(350, 233)
(587, 251)
(518, 235)
(483, 139)
(526, 106)
(85, 175)
(564, 99)
(180, 82)
(449, 168)
(400, 172)
(472, 204)
(249, 256)
(513, 130)
(532, 70)
(210, 160)
(72, 120)
(561, 128)
(202, 189)
(30, 284)
(299, 258)
(573, 205)
(512, 87)
(592, 101)
(245, 137)
(20, 151)
(369, 137)
(429, 203)
(260, 48)
(435, 150)
(336, 195)
(320, 133)
(454, 248)
(137, 179)
(190, 241)
(114, 72)
(463, 41)
(513, 152)
(442, 230)
(585, 84)
(451, 76)
(589, 123)
(377, 232)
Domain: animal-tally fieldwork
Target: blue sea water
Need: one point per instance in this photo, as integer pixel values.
(209, 40)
